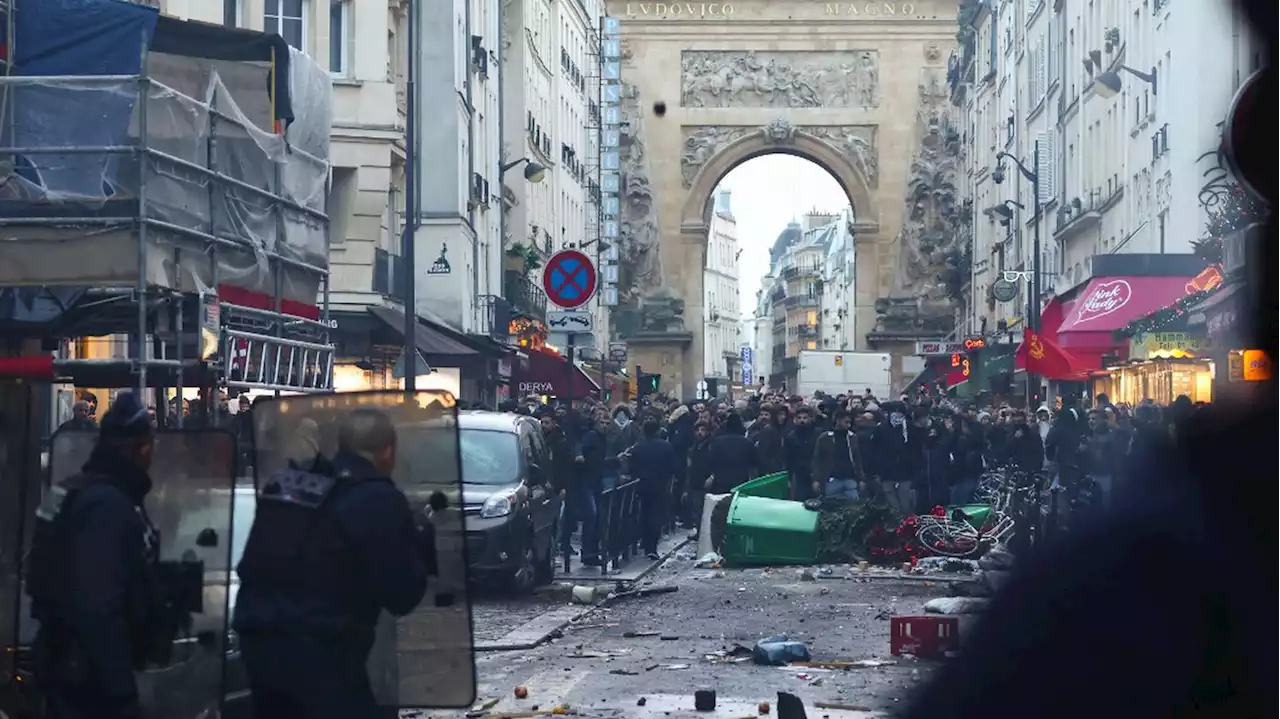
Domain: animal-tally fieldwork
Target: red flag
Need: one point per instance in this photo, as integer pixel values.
(1042, 356)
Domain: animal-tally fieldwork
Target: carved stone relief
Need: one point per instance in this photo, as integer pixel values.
(702, 142)
(856, 142)
(934, 244)
(779, 79)
(640, 260)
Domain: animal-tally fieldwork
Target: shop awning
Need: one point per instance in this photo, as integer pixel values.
(430, 341)
(1111, 303)
(544, 373)
(1053, 315)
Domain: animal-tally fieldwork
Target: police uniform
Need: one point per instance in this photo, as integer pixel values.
(92, 576)
(329, 550)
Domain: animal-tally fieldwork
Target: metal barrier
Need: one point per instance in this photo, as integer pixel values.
(618, 512)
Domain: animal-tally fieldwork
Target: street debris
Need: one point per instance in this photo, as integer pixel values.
(638, 635)
(737, 654)
(778, 651)
(762, 708)
(522, 692)
(676, 667)
(641, 702)
(624, 672)
(645, 592)
(704, 700)
(931, 565)
(710, 560)
(841, 707)
(482, 708)
(956, 605)
(806, 575)
(859, 664)
(584, 595)
(790, 706)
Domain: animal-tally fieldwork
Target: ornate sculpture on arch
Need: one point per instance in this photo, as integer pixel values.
(934, 245)
(640, 259)
(856, 142)
(762, 78)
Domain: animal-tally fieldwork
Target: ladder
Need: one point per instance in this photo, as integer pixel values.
(264, 362)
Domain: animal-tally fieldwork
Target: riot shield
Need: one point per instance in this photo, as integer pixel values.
(192, 505)
(424, 659)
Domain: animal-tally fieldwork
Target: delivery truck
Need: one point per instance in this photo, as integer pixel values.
(836, 372)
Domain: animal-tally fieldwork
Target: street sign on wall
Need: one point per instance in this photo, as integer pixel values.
(939, 348)
(569, 279)
(569, 321)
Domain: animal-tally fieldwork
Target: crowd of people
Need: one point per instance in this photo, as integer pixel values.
(914, 452)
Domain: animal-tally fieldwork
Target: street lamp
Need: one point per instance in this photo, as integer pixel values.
(533, 172)
(1033, 297)
(1107, 84)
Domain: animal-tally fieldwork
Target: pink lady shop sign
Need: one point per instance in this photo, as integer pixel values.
(1106, 298)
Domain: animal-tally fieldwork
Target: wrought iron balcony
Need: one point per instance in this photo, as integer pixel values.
(808, 330)
(525, 297)
(805, 300)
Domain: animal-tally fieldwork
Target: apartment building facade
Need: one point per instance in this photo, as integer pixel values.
(552, 120)
(1110, 163)
(805, 302)
(722, 328)
(1115, 109)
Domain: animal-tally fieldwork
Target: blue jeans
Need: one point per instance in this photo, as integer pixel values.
(608, 482)
(580, 506)
(962, 491)
(841, 488)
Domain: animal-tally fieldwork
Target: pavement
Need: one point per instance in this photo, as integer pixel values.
(512, 623)
(644, 656)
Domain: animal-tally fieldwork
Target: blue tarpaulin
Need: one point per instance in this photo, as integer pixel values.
(76, 37)
(81, 37)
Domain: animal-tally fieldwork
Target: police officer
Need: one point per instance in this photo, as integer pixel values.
(92, 573)
(326, 554)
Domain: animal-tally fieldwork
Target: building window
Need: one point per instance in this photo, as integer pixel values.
(286, 18)
(231, 13)
(339, 31)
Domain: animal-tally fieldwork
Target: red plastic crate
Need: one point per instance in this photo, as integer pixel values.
(928, 637)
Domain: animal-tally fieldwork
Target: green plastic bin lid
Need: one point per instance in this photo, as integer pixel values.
(773, 486)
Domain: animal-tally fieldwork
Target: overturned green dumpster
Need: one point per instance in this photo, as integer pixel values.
(764, 527)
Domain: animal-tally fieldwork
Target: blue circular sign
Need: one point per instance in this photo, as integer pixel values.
(569, 279)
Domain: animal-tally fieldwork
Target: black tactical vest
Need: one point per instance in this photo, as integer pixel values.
(296, 545)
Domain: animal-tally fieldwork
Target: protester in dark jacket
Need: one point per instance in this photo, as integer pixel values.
(966, 467)
(732, 457)
(655, 464)
(799, 445)
(837, 464)
(697, 471)
(770, 441)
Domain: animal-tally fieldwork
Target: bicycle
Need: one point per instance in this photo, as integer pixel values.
(963, 534)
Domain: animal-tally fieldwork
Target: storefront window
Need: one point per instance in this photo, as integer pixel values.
(1161, 381)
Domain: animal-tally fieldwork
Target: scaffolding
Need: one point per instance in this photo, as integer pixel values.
(179, 202)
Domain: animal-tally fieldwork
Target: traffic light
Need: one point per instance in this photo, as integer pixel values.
(608, 393)
(647, 383)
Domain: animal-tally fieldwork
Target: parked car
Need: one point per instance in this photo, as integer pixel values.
(509, 508)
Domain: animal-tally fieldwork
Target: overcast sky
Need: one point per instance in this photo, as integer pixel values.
(767, 193)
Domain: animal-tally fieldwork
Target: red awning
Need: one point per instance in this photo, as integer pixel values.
(1111, 303)
(1053, 314)
(544, 373)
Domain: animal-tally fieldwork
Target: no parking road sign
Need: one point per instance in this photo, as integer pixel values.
(569, 279)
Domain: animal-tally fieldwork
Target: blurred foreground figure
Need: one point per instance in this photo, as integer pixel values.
(1165, 607)
(333, 544)
(93, 575)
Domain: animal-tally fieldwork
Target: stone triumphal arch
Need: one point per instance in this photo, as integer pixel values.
(858, 88)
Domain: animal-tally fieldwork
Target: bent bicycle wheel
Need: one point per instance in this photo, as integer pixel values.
(948, 539)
